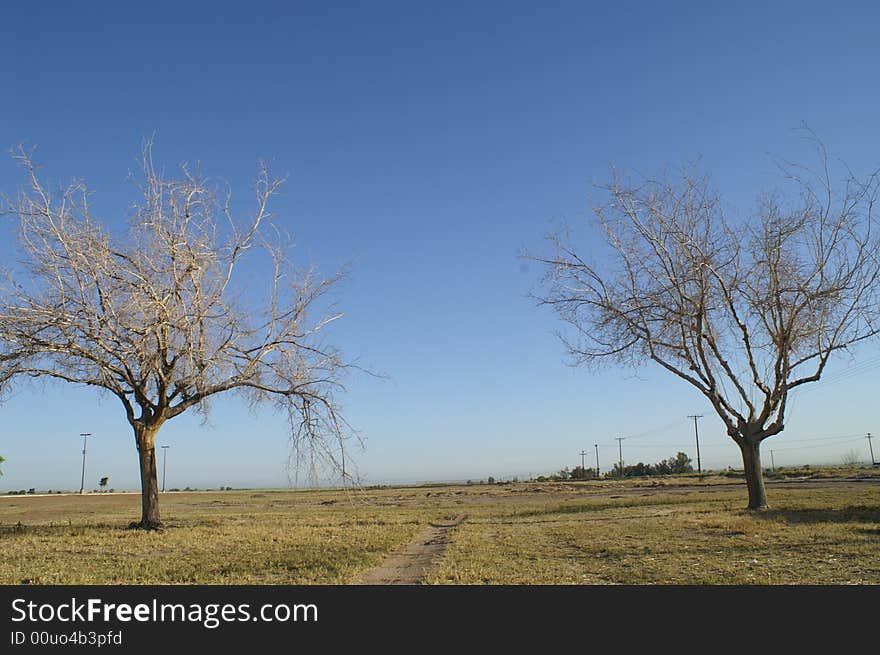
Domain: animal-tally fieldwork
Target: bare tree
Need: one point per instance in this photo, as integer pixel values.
(745, 311)
(162, 320)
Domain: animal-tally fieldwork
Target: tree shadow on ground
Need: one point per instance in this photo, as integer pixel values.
(9, 530)
(852, 514)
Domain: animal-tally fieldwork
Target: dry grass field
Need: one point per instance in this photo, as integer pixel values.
(823, 528)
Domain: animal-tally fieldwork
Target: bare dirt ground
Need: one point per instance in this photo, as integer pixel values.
(411, 564)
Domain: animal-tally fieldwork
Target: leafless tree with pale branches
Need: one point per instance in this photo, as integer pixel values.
(745, 310)
(163, 319)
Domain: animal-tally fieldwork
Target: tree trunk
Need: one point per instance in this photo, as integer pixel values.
(751, 453)
(146, 445)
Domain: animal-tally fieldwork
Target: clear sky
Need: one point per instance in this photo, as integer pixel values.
(427, 143)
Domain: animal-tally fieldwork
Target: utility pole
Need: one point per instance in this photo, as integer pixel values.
(772, 462)
(697, 435)
(164, 466)
(597, 460)
(82, 484)
(871, 448)
(583, 465)
(620, 452)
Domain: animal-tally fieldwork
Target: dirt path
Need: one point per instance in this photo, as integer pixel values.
(411, 564)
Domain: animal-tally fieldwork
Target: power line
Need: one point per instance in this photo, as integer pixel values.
(697, 435)
(164, 466)
(865, 366)
(663, 428)
(620, 449)
(814, 441)
(816, 446)
(704, 445)
(82, 485)
(836, 437)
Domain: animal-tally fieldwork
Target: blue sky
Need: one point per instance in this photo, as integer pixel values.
(428, 143)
